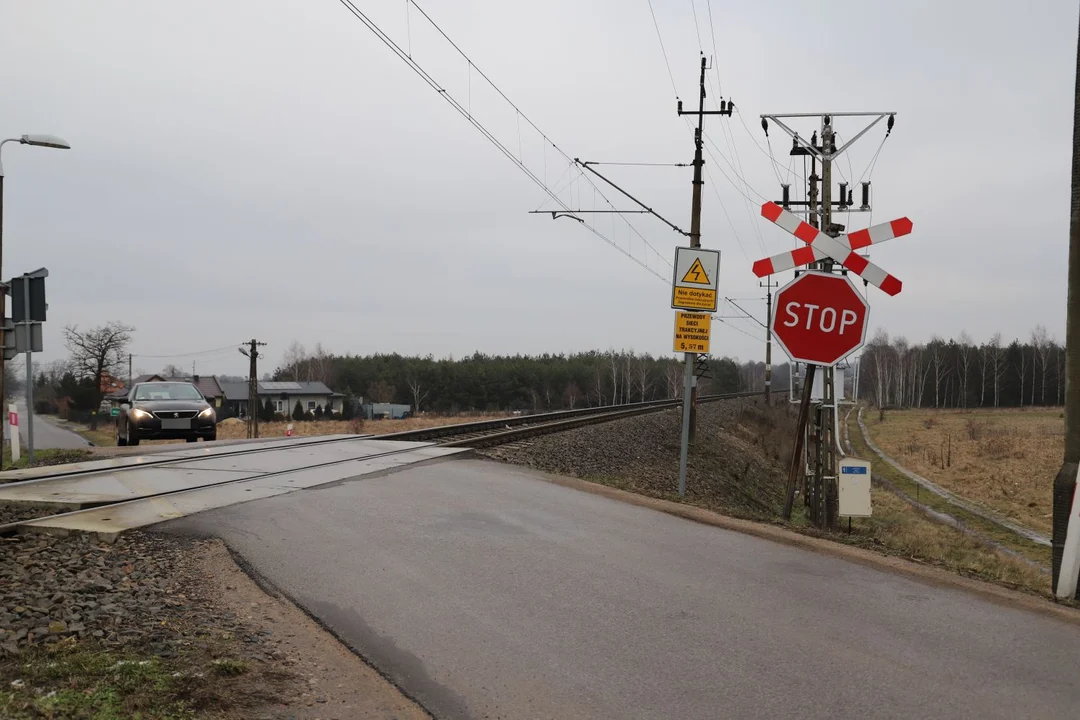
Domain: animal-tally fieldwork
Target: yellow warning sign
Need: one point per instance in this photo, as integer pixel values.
(696, 274)
(692, 332)
(704, 299)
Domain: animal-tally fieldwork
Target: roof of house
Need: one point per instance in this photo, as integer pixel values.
(269, 388)
(234, 390)
(292, 387)
(208, 384)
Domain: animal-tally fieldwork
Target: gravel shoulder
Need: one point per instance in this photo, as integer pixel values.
(159, 626)
(737, 465)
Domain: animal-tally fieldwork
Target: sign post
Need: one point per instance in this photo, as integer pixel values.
(13, 425)
(693, 287)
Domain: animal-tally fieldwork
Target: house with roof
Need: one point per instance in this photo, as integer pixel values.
(283, 395)
(208, 385)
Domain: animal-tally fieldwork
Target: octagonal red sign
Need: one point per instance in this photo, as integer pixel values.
(819, 318)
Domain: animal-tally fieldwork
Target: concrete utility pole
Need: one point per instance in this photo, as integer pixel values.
(1066, 530)
(252, 352)
(768, 285)
(726, 108)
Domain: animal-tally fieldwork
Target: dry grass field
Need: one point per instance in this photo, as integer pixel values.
(1005, 459)
(899, 529)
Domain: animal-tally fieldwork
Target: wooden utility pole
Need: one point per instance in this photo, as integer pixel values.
(252, 352)
(695, 210)
(1066, 482)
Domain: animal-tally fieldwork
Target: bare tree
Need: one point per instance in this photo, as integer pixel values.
(294, 360)
(963, 351)
(1022, 370)
(614, 378)
(599, 383)
(1044, 345)
(996, 353)
(571, 394)
(674, 378)
(644, 383)
(984, 371)
(320, 366)
(172, 371)
(96, 352)
(937, 357)
(418, 393)
(878, 351)
(899, 357)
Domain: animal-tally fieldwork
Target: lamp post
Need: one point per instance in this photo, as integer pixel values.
(49, 141)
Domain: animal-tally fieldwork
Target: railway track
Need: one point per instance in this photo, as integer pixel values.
(184, 477)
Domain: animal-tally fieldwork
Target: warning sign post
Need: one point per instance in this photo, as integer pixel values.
(694, 284)
(692, 332)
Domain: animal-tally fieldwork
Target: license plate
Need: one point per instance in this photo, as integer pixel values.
(174, 424)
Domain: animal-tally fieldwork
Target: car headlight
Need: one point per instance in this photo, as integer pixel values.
(140, 414)
(207, 413)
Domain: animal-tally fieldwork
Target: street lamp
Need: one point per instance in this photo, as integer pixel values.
(49, 141)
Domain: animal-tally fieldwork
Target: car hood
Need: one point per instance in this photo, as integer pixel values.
(161, 405)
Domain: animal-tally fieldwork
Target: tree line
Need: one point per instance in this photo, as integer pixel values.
(495, 383)
(962, 373)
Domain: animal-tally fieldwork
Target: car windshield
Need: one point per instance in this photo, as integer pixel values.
(167, 391)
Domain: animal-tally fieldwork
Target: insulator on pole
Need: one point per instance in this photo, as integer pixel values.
(865, 196)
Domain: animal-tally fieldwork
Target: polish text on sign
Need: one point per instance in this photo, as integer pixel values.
(692, 332)
(694, 283)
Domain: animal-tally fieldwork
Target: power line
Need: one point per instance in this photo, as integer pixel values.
(701, 48)
(664, 51)
(716, 55)
(520, 115)
(190, 354)
(488, 135)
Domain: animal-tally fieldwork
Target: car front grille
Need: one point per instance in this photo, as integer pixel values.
(174, 414)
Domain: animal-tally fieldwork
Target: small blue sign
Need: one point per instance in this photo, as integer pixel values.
(853, 470)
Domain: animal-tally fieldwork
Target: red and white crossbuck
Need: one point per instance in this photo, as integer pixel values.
(841, 248)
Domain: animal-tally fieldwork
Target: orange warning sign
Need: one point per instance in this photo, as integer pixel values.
(696, 274)
(692, 332)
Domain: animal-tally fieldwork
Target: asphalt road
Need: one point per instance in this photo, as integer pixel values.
(47, 435)
(487, 593)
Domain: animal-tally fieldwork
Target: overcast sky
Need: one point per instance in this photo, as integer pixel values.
(270, 169)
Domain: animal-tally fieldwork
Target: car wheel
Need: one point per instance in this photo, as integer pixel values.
(121, 441)
(211, 437)
(193, 438)
(132, 436)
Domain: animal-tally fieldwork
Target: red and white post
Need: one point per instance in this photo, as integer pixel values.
(13, 429)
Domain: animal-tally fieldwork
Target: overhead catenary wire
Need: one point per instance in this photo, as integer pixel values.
(488, 135)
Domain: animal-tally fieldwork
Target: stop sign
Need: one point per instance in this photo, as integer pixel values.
(819, 318)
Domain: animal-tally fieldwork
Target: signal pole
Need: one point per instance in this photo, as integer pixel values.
(726, 108)
(253, 386)
(819, 426)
